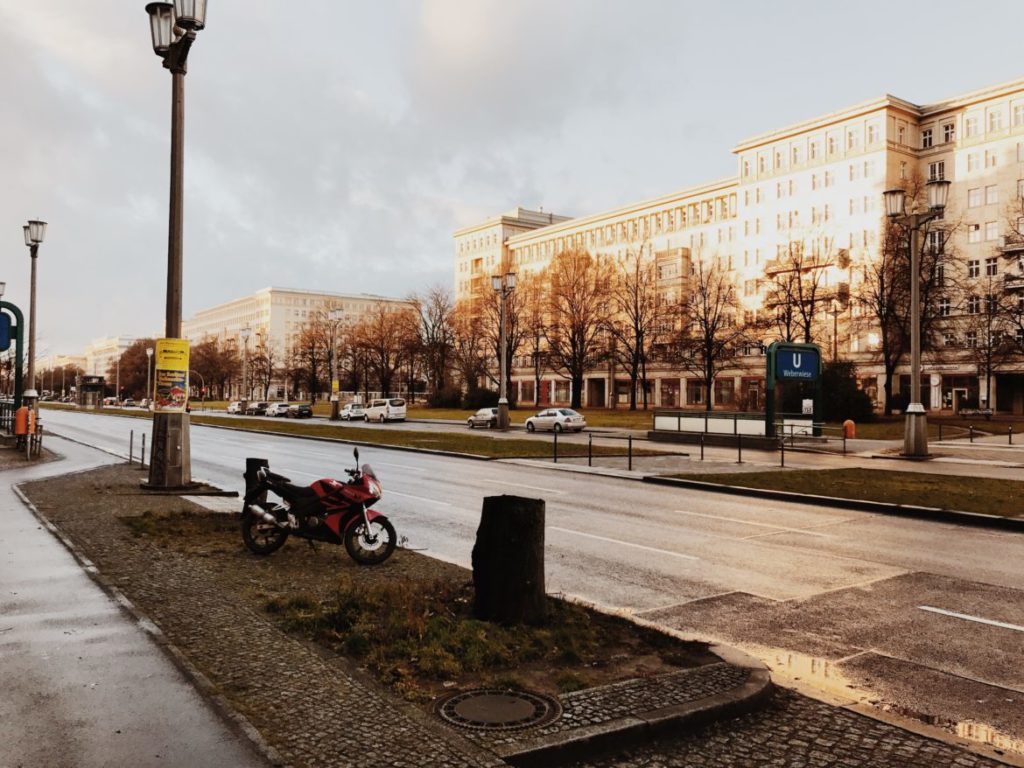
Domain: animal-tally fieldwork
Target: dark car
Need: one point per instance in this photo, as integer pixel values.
(302, 411)
(256, 409)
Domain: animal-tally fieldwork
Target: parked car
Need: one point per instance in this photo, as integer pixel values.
(277, 409)
(110, 402)
(352, 412)
(485, 417)
(144, 402)
(256, 408)
(235, 406)
(386, 409)
(557, 420)
(128, 402)
(299, 411)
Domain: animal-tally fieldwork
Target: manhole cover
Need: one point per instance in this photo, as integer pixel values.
(498, 710)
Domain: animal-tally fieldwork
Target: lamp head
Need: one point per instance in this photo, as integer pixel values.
(938, 193)
(161, 25)
(190, 14)
(895, 202)
(510, 280)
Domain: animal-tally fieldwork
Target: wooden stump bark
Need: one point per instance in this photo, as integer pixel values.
(508, 562)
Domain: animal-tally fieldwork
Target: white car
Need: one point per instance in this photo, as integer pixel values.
(235, 407)
(277, 409)
(557, 420)
(386, 409)
(352, 411)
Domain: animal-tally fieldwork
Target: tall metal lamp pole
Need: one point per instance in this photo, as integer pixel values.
(503, 285)
(35, 232)
(915, 430)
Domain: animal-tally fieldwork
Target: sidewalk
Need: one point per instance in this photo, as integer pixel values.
(84, 685)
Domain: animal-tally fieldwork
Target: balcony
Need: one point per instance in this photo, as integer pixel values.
(1011, 244)
(1013, 282)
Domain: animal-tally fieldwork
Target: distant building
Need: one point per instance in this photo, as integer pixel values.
(103, 353)
(816, 185)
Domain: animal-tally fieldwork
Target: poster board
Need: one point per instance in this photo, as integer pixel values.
(171, 375)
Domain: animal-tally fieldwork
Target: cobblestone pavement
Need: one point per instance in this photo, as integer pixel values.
(795, 731)
(308, 707)
(600, 705)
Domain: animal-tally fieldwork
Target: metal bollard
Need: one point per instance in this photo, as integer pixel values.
(739, 449)
(1009, 435)
(629, 452)
(940, 431)
(142, 457)
(131, 445)
(556, 445)
(971, 428)
(590, 449)
(844, 442)
(782, 451)
(702, 446)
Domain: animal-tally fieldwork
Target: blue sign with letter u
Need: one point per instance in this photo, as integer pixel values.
(5, 332)
(800, 364)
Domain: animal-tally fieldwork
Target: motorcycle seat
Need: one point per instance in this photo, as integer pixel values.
(297, 492)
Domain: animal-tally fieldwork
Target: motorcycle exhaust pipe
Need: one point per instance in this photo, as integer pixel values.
(263, 515)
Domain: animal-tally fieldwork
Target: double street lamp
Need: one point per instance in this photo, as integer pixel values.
(173, 27)
(149, 366)
(915, 430)
(503, 285)
(35, 232)
(334, 319)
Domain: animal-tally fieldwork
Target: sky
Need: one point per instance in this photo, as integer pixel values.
(336, 145)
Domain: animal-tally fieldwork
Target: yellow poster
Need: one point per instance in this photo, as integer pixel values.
(171, 375)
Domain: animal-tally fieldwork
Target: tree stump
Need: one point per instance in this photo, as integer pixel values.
(508, 562)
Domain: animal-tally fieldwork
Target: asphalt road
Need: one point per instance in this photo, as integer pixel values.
(926, 618)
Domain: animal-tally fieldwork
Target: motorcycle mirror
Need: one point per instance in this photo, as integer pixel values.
(355, 452)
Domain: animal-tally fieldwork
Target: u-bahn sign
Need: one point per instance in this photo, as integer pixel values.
(792, 362)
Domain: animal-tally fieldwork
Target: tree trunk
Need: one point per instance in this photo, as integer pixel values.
(508, 562)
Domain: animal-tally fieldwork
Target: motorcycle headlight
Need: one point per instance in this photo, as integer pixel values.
(375, 488)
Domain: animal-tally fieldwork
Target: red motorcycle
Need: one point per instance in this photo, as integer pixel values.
(328, 510)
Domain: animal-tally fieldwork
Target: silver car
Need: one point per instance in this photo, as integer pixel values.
(557, 420)
(485, 417)
(352, 411)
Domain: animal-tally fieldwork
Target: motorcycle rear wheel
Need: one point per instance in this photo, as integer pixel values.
(262, 537)
(371, 551)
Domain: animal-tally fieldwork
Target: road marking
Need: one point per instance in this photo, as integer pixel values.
(400, 466)
(523, 485)
(624, 543)
(967, 617)
(750, 522)
(287, 472)
(418, 498)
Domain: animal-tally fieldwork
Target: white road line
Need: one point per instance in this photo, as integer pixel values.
(967, 617)
(523, 485)
(417, 498)
(400, 466)
(288, 472)
(624, 543)
(750, 522)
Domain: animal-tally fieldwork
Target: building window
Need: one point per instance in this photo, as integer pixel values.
(974, 197)
(973, 305)
(746, 168)
(872, 133)
(990, 159)
(991, 194)
(869, 169)
(973, 268)
(995, 120)
(971, 126)
(812, 149)
(1020, 188)
(901, 134)
(935, 240)
(971, 338)
(949, 339)
(831, 145)
(851, 139)
(760, 164)
(903, 169)
(796, 156)
(937, 171)
(926, 138)
(778, 159)
(830, 178)
(1018, 115)
(991, 230)
(991, 266)
(944, 307)
(949, 132)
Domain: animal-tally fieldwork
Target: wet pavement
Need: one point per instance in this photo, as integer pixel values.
(83, 685)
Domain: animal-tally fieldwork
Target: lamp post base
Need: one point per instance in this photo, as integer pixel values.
(170, 464)
(503, 419)
(335, 409)
(915, 432)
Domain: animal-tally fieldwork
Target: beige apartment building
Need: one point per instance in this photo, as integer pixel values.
(818, 183)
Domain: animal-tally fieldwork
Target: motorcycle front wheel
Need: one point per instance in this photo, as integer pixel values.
(371, 548)
(262, 537)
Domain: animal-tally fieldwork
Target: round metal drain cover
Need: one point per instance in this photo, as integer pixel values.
(498, 710)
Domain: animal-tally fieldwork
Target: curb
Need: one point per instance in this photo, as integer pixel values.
(957, 517)
(590, 741)
(238, 722)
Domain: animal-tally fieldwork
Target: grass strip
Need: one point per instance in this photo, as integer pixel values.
(989, 496)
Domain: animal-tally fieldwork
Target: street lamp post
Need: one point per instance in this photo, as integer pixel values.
(503, 285)
(244, 334)
(915, 431)
(149, 365)
(173, 27)
(334, 317)
(34, 231)
(117, 380)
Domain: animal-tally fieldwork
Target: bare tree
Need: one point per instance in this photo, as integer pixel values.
(711, 324)
(533, 319)
(383, 334)
(798, 292)
(470, 345)
(435, 314)
(578, 310)
(264, 363)
(488, 301)
(218, 362)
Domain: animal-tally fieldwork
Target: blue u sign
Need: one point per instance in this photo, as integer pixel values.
(802, 364)
(5, 331)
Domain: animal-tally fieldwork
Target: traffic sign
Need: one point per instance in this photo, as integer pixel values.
(5, 332)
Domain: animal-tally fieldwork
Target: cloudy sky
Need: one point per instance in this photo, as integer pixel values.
(335, 145)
